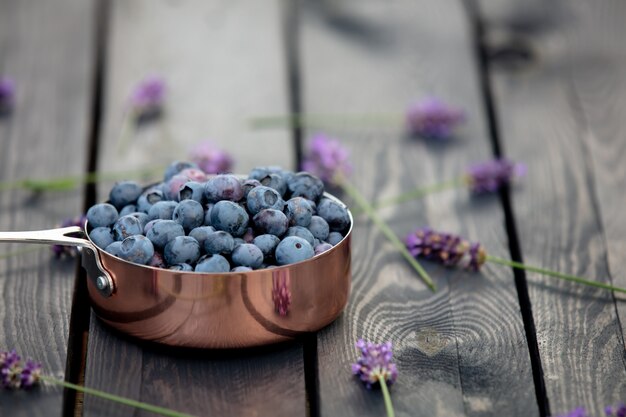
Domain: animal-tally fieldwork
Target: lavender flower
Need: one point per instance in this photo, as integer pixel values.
(147, 98)
(327, 158)
(7, 94)
(69, 251)
(375, 364)
(211, 159)
(577, 412)
(615, 411)
(14, 374)
(445, 248)
(281, 294)
(432, 118)
(490, 176)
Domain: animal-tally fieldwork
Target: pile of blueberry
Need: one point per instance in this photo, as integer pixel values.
(192, 222)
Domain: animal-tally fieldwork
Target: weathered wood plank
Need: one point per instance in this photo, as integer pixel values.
(461, 351)
(222, 61)
(562, 116)
(47, 48)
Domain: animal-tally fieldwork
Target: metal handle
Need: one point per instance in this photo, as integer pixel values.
(90, 257)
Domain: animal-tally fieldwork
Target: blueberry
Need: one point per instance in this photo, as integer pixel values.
(219, 242)
(293, 249)
(175, 167)
(306, 185)
(102, 237)
(335, 214)
(212, 263)
(248, 185)
(182, 250)
(259, 173)
(137, 249)
(181, 267)
(174, 184)
(313, 205)
(101, 215)
(192, 190)
(223, 187)
(124, 193)
(114, 248)
(322, 247)
(201, 233)
(157, 260)
(298, 211)
(263, 197)
(248, 255)
(149, 225)
(271, 221)
(229, 217)
(142, 217)
(149, 198)
(267, 243)
(241, 269)
(127, 226)
(189, 213)
(163, 231)
(162, 210)
(128, 209)
(276, 182)
(334, 238)
(302, 232)
(319, 228)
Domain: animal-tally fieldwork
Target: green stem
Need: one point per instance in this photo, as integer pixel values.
(418, 193)
(391, 236)
(69, 183)
(386, 396)
(548, 272)
(327, 120)
(122, 400)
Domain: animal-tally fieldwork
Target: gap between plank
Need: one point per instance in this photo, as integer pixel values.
(80, 311)
(484, 70)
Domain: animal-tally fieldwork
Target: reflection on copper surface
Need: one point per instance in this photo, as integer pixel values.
(281, 293)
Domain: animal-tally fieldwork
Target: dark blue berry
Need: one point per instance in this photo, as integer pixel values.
(189, 213)
(335, 214)
(223, 187)
(212, 263)
(175, 167)
(114, 248)
(267, 243)
(271, 221)
(298, 211)
(201, 233)
(102, 237)
(162, 210)
(248, 185)
(263, 197)
(127, 226)
(293, 249)
(101, 215)
(302, 232)
(241, 269)
(219, 242)
(181, 267)
(137, 249)
(192, 190)
(128, 209)
(334, 238)
(182, 250)
(124, 193)
(276, 182)
(322, 247)
(142, 217)
(248, 255)
(319, 228)
(229, 217)
(149, 198)
(163, 231)
(306, 185)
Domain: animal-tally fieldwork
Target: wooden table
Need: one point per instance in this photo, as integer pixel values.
(541, 83)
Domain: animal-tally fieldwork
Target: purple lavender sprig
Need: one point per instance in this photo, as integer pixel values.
(490, 176)
(147, 98)
(452, 250)
(327, 158)
(375, 368)
(433, 119)
(7, 94)
(60, 251)
(211, 159)
(609, 411)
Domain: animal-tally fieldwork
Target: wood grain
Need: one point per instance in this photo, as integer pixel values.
(562, 117)
(223, 61)
(461, 351)
(47, 48)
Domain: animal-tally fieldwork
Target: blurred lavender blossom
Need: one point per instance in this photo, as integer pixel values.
(432, 118)
(211, 159)
(327, 158)
(7, 94)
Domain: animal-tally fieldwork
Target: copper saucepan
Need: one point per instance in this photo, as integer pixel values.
(202, 310)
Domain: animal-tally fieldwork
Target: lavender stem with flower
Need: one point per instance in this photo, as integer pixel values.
(452, 250)
(7, 95)
(16, 374)
(375, 368)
